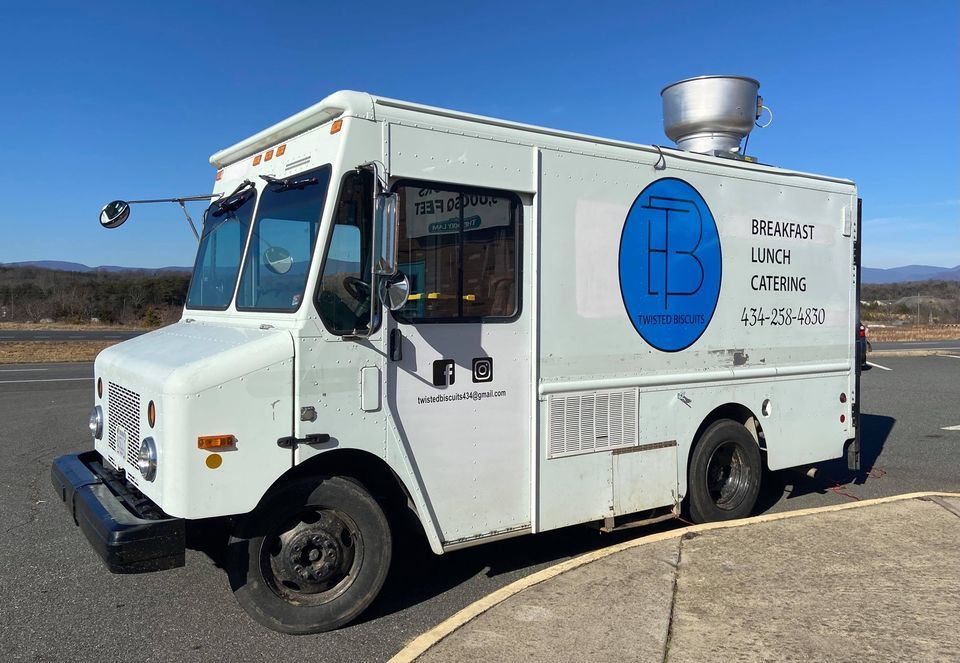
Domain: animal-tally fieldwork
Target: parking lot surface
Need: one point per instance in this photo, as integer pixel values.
(60, 603)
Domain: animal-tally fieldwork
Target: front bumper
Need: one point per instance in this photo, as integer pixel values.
(129, 532)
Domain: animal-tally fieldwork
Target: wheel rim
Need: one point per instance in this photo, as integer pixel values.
(728, 476)
(313, 558)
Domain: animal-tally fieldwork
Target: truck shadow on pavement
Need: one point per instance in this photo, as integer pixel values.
(456, 579)
(831, 475)
(453, 580)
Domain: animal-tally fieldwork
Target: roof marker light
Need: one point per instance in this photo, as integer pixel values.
(268, 155)
(256, 159)
(281, 150)
(336, 126)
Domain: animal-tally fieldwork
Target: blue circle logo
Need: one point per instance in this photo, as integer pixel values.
(670, 266)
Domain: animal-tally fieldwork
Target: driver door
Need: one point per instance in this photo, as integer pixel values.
(340, 374)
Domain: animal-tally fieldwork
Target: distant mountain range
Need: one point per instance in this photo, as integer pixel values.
(910, 273)
(77, 267)
(870, 274)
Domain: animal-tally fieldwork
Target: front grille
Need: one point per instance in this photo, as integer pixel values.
(123, 410)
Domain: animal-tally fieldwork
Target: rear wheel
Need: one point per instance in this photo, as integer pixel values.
(725, 473)
(312, 557)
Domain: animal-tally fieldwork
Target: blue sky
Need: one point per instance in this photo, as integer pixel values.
(127, 100)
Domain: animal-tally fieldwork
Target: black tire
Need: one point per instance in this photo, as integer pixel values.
(725, 473)
(312, 557)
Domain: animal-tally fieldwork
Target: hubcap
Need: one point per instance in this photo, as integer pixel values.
(315, 559)
(728, 476)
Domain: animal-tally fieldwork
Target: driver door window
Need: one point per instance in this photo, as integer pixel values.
(343, 296)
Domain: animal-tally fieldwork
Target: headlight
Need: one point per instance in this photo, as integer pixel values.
(147, 462)
(96, 422)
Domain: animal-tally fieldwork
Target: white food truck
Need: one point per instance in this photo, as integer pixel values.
(498, 329)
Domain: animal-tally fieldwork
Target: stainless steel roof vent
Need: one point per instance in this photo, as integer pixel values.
(711, 114)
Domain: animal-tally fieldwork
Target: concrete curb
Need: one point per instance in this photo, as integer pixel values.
(425, 641)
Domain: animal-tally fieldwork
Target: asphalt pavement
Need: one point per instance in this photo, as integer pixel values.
(24, 335)
(58, 601)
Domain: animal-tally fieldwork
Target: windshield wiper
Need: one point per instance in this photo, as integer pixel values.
(235, 200)
(287, 183)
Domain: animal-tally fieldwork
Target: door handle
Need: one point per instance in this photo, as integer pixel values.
(396, 345)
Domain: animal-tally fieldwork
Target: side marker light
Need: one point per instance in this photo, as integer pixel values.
(216, 441)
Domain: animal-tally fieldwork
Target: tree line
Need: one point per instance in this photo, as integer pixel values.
(31, 294)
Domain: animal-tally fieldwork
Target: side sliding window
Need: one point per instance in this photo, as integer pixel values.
(460, 248)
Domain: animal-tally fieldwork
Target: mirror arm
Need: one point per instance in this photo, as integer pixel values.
(186, 199)
(187, 214)
(380, 172)
(181, 201)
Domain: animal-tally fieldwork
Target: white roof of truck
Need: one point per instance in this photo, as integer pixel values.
(365, 105)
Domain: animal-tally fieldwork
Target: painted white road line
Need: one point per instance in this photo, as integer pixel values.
(954, 356)
(39, 337)
(44, 380)
(22, 370)
(870, 363)
(950, 428)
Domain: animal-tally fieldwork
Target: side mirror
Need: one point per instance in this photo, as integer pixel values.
(114, 214)
(385, 224)
(394, 291)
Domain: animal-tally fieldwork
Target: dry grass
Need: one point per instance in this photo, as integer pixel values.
(913, 333)
(64, 326)
(30, 352)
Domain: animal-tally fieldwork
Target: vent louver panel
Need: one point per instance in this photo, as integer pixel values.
(598, 421)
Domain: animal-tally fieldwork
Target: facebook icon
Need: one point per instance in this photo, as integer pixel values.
(670, 264)
(443, 372)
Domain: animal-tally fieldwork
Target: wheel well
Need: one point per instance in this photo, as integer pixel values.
(735, 412)
(364, 467)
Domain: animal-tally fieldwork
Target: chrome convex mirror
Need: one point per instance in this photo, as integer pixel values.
(114, 214)
(394, 291)
(277, 259)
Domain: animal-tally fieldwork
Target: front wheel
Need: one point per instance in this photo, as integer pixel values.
(725, 473)
(312, 557)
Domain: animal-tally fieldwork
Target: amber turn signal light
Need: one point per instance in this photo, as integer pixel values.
(216, 441)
